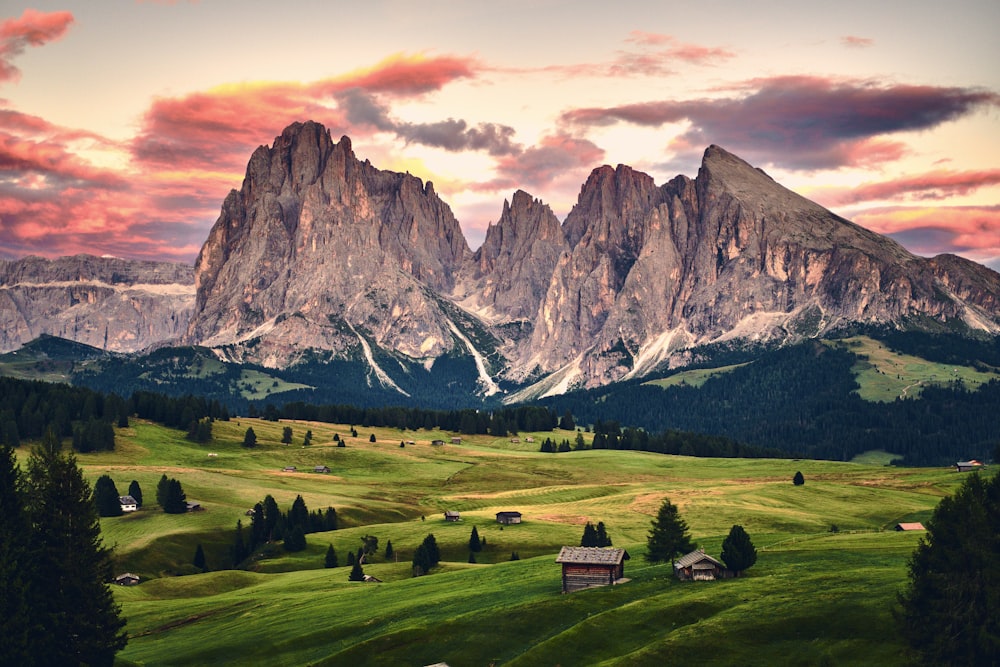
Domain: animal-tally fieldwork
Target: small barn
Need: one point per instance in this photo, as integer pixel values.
(437, 443)
(915, 525)
(127, 579)
(289, 469)
(508, 518)
(968, 466)
(128, 503)
(452, 515)
(699, 566)
(586, 567)
(456, 441)
(322, 469)
(193, 506)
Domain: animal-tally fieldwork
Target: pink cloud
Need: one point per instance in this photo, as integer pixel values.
(33, 28)
(932, 185)
(801, 122)
(856, 42)
(971, 231)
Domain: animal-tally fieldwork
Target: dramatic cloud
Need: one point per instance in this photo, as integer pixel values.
(973, 231)
(933, 185)
(33, 28)
(801, 122)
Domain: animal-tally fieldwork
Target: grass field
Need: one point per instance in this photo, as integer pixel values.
(887, 375)
(814, 597)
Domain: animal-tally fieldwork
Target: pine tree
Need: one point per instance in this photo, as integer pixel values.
(950, 611)
(738, 552)
(161, 490)
(308, 439)
(472, 557)
(357, 573)
(474, 543)
(299, 514)
(286, 435)
(72, 595)
(106, 497)
(371, 438)
(514, 556)
(589, 538)
(798, 479)
(433, 553)
(389, 553)
(174, 500)
(199, 558)
(135, 491)
(249, 438)
(331, 557)
(20, 627)
(603, 539)
(668, 536)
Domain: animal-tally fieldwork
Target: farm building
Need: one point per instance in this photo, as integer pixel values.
(699, 566)
(585, 567)
(289, 469)
(127, 579)
(968, 466)
(437, 442)
(456, 441)
(322, 469)
(128, 503)
(452, 515)
(916, 525)
(193, 506)
(508, 518)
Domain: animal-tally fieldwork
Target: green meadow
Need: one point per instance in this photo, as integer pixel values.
(822, 591)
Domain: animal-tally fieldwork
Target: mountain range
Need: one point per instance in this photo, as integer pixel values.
(320, 257)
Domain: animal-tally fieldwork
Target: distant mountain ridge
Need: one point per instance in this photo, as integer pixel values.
(321, 257)
(109, 303)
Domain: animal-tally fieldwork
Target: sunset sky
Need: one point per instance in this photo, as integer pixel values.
(123, 125)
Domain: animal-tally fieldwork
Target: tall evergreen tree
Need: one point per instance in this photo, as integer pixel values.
(389, 553)
(20, 626)
(603, 539)
(295, 540)
(331, 557)
(106, 497)
(474, 544)
(357, 573)
(299, 514)
(589, 538)
(239, 552)
(161, 490)
(250, 438)
(199, 558)
(286, 435)
(668, 536)
(798, 479)
(135, 491)
(951, 606)
(73, 596)
(738, 552)
(174, 499)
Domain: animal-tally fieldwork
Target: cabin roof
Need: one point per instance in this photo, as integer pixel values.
(696, 556)
(915, 525)
(592, 556)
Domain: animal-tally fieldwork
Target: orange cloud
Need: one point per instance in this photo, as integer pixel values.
(856, 42)
(33, 28)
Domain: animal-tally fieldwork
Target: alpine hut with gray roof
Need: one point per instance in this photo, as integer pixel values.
(699, 566)
(585, 567)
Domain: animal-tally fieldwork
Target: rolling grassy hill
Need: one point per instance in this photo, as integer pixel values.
(814, 597)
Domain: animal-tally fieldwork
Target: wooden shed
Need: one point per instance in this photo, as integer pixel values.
(968, 466)
(452, 515)
(508, 518)
(699, 566)
(915, 525)
(128, 503)
(127, 579)
(585, 567)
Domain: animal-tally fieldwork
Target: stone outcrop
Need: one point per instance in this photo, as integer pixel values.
(113, 304)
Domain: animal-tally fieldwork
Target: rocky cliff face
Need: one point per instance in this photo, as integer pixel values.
(320, 251)
(730, 255)
(109, 303)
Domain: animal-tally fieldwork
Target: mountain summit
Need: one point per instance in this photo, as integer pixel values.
(321, 255)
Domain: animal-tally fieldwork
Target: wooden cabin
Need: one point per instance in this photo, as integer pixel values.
(452, 515)
(586, 567)
(127, 579)
(508, 518)
(699, 566)
(128, 503)
(968, 466)
(456, 441)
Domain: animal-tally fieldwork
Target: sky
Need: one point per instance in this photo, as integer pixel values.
(124, 124)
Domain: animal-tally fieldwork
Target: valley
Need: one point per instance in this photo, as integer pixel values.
(814, 595)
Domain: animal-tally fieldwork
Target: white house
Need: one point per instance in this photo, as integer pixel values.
(128, 503)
